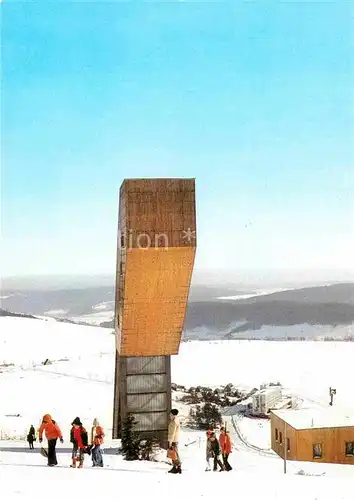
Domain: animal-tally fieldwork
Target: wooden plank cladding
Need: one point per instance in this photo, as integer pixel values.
(330, 442)
(156, 252)
(141, 365)
(153, 210)
(154, 300)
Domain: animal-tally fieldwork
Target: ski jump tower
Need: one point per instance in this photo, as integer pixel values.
(155, 258)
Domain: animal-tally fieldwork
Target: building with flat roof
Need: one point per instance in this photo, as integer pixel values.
(266, 399)
(314, 435)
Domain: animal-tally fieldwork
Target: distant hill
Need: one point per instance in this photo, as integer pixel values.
(306, 312)
(69, 302)
(340, 293)
(4, 313)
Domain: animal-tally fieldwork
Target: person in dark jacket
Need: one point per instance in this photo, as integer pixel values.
(31, 437)
(79, 438)
(215, 451)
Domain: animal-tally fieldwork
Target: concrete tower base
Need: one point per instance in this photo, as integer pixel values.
(143, 390)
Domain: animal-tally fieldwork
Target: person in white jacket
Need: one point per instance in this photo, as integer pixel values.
(173, 439)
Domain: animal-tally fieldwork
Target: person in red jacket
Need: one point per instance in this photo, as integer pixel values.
(52, 433)
(79, 438)
(226, 447)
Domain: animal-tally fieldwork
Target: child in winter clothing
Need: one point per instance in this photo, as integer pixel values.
(97, 436)
(31, 437)
(226, 447)
(78, 436)
(209, 453)
(52, 433)
(215, 449)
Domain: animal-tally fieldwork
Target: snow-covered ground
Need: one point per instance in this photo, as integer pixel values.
(27, 341)
(252, 478)
(95, 318)
(56, 312)
(79, 382)
(108, 304)
(102, 312)
(257, 293)
(256, 431)
(305, 369)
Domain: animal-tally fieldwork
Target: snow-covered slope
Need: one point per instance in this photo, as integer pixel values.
(27, 341)
(254, 479)
(306, 369)
(79, 382)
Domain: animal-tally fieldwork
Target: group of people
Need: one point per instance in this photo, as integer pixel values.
(82, 443)
(217, 449)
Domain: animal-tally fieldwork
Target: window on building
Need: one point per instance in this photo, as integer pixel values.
(121, 268)
(317, 450)
(276, 435)
(122, 241)
(280, 437)
(349, 449)
(288, 444)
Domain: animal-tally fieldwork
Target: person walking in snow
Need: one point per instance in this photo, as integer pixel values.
(79, 439)
(173, 439)
(208, 451)
(215, 449)
(97, 436)
(52, 433)
(226, 447)
(31, 437)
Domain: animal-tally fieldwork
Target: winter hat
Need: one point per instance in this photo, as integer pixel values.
(174, 411)
(77, 421)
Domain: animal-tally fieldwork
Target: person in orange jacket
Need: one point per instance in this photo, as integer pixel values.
(52, 433)
(226, 447)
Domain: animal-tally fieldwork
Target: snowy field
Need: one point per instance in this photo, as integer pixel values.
(256, 431)
(257, 293)
(136, 480)
(79, 382)
(305, 369)
(84, 356)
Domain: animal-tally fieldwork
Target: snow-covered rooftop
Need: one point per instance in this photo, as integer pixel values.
(268, 390)
(314, 418)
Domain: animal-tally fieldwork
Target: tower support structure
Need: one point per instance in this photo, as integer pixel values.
(155, 258)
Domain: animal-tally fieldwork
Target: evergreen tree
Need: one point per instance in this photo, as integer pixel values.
(130, 439)
(206, 416)
(149, 449)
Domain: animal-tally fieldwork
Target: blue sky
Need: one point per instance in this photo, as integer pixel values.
(254, 100)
